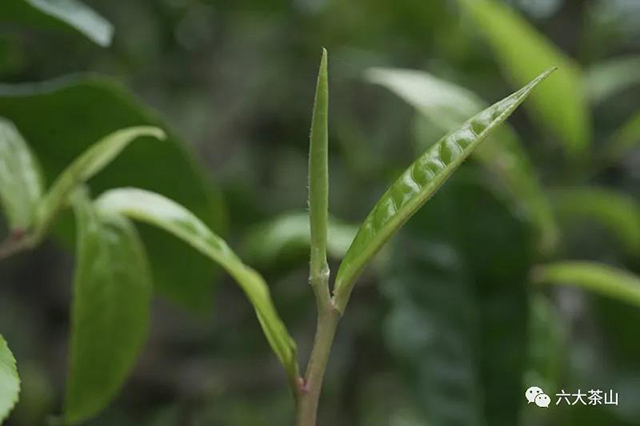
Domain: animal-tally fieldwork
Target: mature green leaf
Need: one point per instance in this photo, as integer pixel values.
(288, 235)
(20, 180)
(59, 14)
(620, 213)
(111, 303)
(624, 139)
(606, 79)
(596, 277)
(417, 184)
(319, 174)
(446, 106)
(458, 316)
(522, 52)
(9, 380)
(62, 118)
(166, 214)
(83, 168)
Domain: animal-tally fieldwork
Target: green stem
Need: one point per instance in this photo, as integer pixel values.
(311, 386)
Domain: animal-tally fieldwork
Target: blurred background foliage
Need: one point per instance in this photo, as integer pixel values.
(447, 328)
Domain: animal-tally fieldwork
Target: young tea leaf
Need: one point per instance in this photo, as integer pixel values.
(417, 184)
(446, 106)
(110, 313)
(166, 214)
(9, 380)
(20, 180)
(62, 118)
(319, 174)
(618, 212)
(596, 277)
(64, 14)
(84, 167)
(522, 52)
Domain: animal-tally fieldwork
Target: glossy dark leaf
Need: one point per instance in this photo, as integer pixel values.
(111, 302)
(417, 184)
(63, 118)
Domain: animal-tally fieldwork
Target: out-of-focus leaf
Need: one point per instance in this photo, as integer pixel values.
(446, 106)
(110, 314)
(83, 168)
(417, 184)
(546, 344)
(20, 180)
(459, 307)
(9, 380)
(61, 119)
(166, 214)
(523, 52)
(546, 353)
(598, 278)
(618, 212)
(605, 79)
(288, 235)
(624, 139)
(319, 174)
(59, 14)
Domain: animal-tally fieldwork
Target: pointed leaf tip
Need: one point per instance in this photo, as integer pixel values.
(417, 184)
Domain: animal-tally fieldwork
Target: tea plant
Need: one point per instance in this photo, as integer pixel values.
(112, 286)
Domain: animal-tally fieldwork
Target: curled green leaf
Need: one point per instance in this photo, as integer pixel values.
(20, 180)
(9, 380)
(170, 216)
(89, 163)
(417, 184)
(596, 277)
(111, 308)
